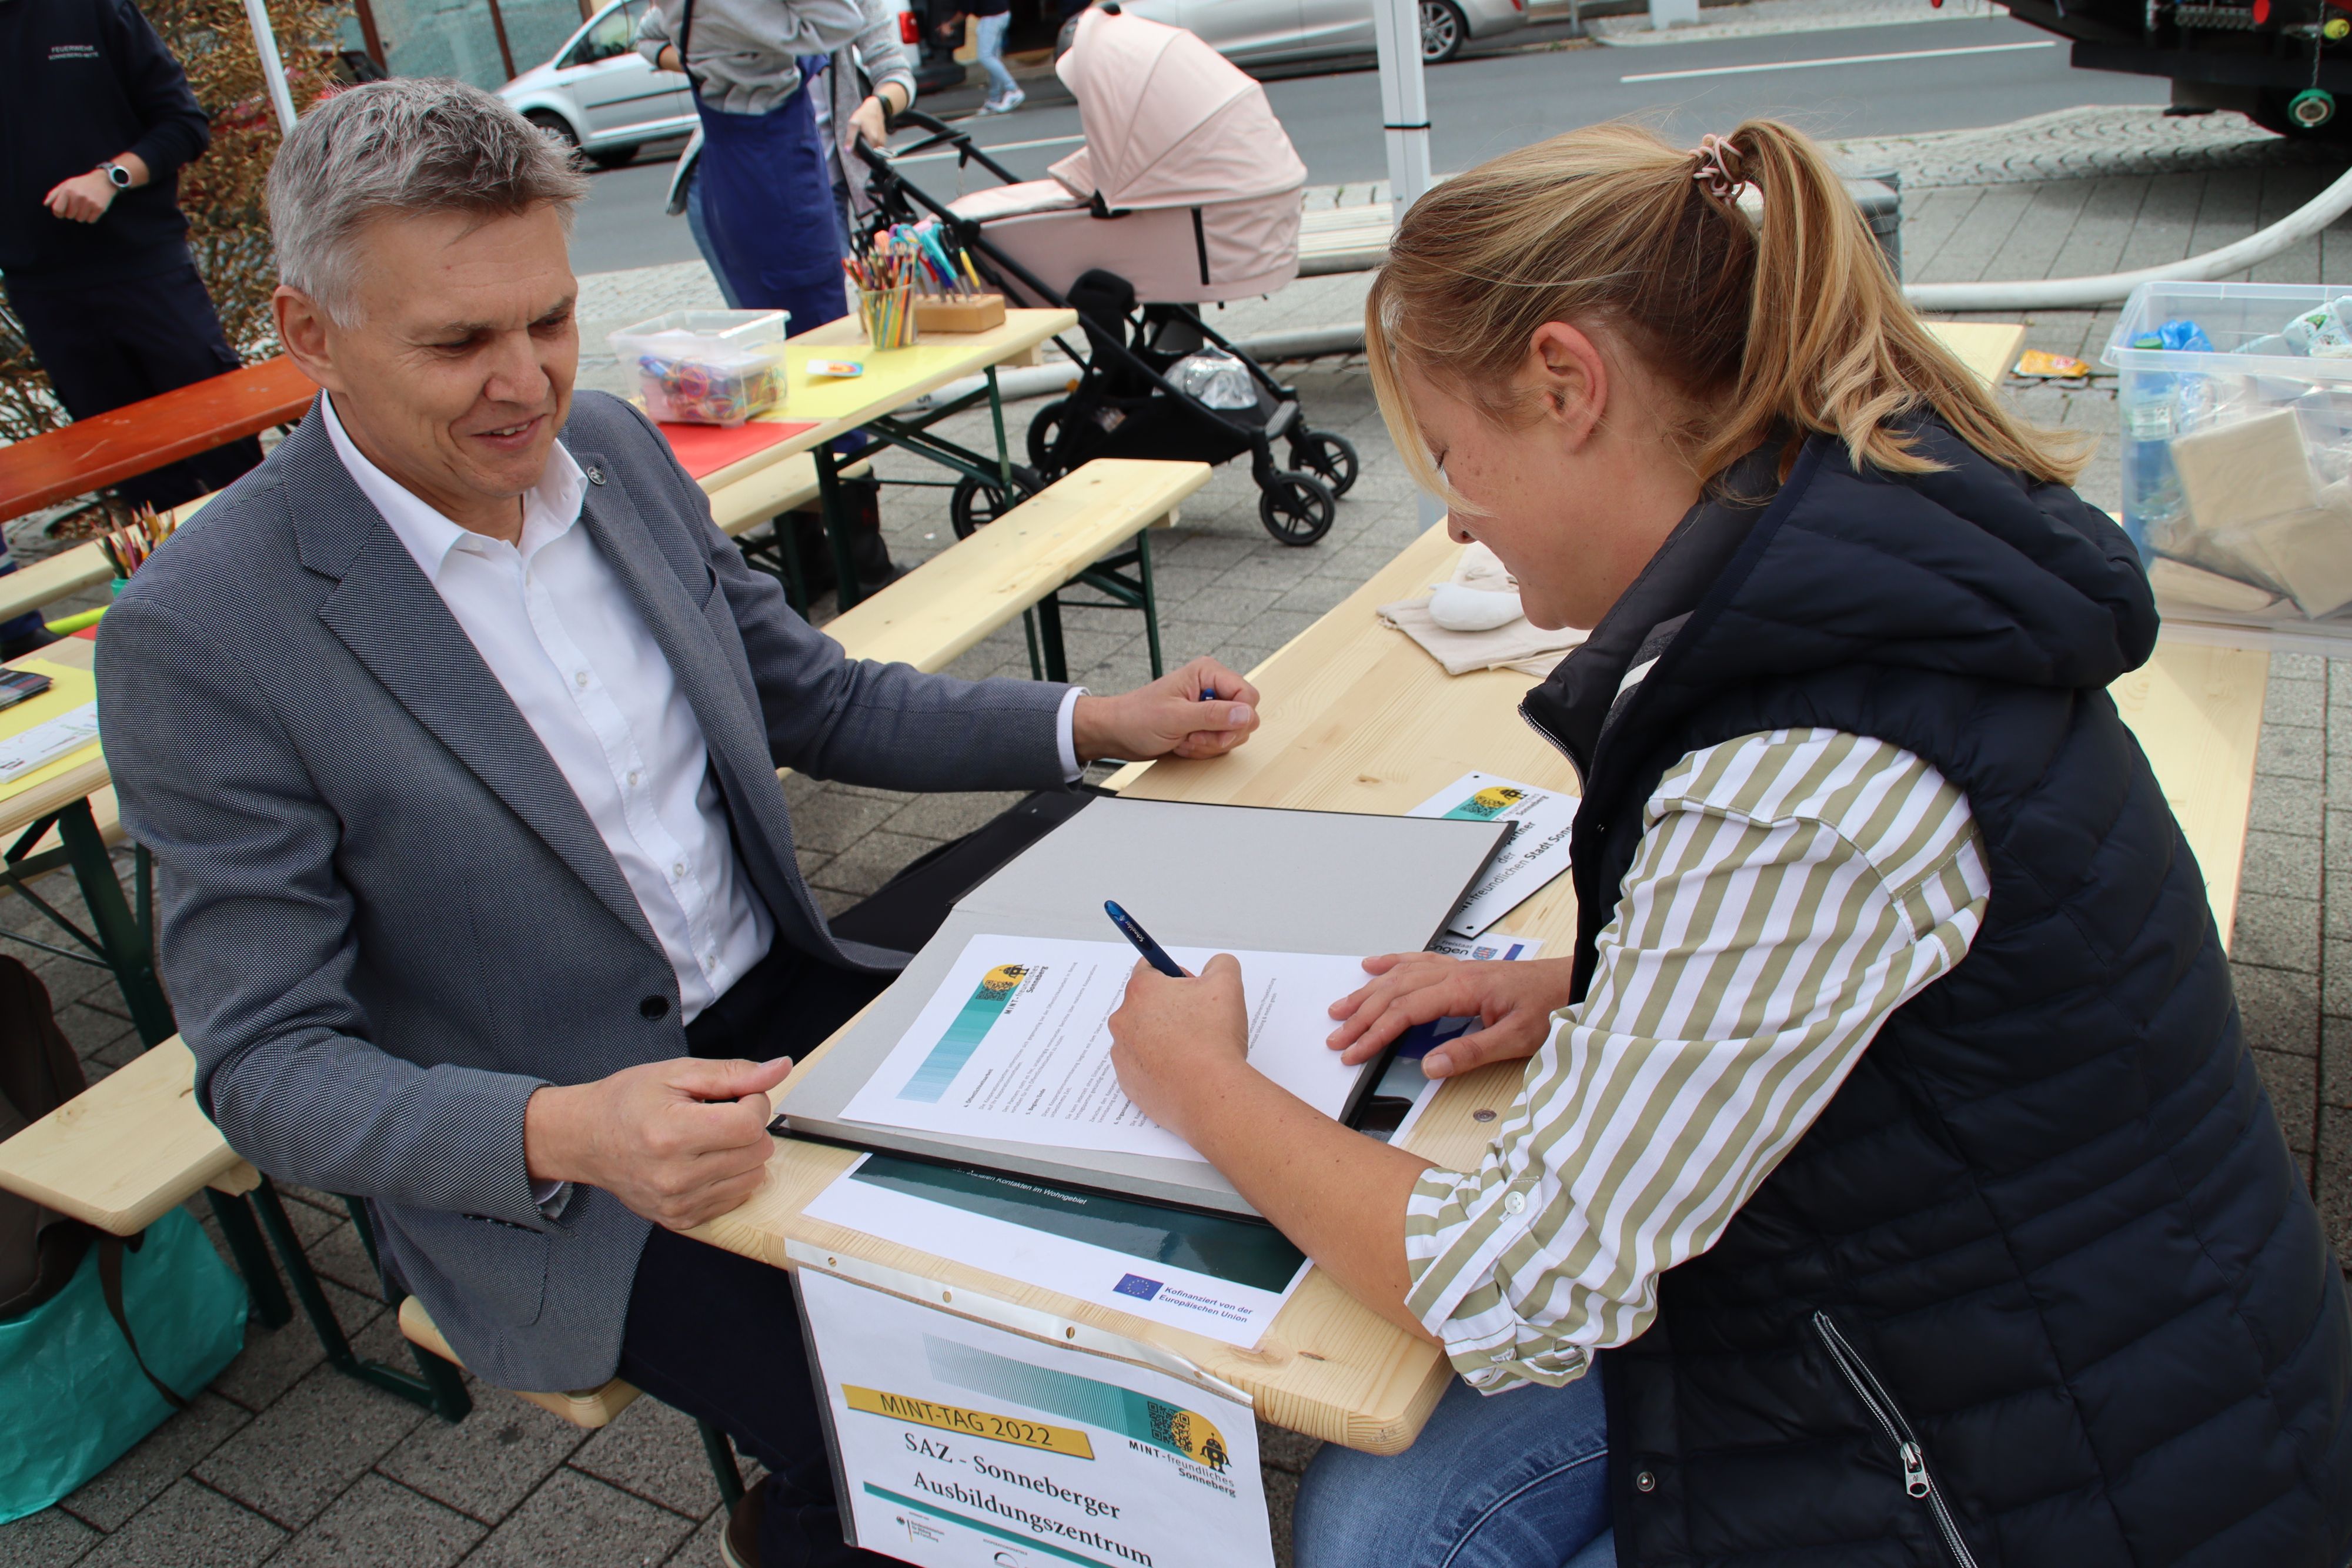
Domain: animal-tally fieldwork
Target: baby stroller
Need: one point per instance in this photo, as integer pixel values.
(1187, 191)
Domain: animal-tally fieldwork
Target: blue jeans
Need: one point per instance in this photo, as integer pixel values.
(696, 226)
(1517, 1481)
(989, 35)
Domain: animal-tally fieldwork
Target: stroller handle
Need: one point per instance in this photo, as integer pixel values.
(939, 133)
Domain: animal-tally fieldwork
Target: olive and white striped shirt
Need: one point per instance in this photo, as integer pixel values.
(1792, 890)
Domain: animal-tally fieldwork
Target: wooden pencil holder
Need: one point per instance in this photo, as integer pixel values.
(960, 312)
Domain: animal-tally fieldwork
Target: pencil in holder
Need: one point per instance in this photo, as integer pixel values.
(888, 315)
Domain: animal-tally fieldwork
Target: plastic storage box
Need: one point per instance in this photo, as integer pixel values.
(707, 367)
(2237, 457)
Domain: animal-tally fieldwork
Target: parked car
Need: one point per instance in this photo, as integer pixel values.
(602, 95)
(1267, 32)
(599, 94)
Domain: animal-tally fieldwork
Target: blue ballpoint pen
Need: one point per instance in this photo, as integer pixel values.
(1153, 953)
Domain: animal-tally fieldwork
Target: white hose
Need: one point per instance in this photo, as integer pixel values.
(2079, 293)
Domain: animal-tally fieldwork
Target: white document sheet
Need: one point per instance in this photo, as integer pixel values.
(1161, 1267)
(46, 741)
(1015, 1044)
(1537, 852)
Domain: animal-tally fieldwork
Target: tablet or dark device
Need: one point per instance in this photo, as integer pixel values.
(15, 686)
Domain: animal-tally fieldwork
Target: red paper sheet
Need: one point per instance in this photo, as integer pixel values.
(704, 449)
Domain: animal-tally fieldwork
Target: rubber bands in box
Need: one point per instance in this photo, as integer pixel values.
(696, 388)
(707, 367)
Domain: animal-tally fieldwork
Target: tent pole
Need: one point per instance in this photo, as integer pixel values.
(1404, 119)
(497, 25)
(369, 37)
(1404, 107)
(273, 71)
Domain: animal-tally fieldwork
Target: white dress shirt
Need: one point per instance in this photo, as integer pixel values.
(558, 628)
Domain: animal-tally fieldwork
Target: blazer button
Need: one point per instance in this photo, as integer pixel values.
(1645, 1481)
(654, 1009)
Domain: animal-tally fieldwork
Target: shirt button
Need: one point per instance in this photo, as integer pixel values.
(579, 677)
(1515, 1203)
(678, 870)
(632, 780)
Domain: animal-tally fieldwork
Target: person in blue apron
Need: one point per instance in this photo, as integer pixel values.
(763, 177)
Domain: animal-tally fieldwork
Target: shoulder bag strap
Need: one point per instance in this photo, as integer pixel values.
(110, 1285)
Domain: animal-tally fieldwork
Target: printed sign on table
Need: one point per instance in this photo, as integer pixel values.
(962, 1444)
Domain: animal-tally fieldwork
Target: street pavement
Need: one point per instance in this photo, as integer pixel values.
(284, 1461)
(1514, 94)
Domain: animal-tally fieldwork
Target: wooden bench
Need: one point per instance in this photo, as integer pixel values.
(587, 1409)
(137, 438)
(936, 613)
(135, 1146)
(127, 1150)
(737, 508)
(68, 572)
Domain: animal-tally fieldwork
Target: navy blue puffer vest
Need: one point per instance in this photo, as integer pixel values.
(2042, 1285)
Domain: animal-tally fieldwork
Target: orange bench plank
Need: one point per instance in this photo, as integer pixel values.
(91, 453)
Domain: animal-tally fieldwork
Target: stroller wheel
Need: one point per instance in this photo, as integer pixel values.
(1296, 508)
(973, 505)
(1045, 430)
(1330, 458)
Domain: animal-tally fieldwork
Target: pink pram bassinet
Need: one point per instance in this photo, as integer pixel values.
(1187, 185)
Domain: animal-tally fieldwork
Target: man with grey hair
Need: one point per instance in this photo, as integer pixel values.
(455, 727)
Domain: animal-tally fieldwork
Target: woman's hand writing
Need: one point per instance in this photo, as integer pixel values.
(1178, 1044)
(1512, 1002)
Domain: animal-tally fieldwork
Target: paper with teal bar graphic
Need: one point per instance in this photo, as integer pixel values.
(966, 1445)
(1537, 852)
(960, 1039)
(1014, 1043)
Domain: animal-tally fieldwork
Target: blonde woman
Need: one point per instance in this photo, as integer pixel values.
(1897, 1165)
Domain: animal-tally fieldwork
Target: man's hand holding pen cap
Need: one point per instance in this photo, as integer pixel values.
(678, 1142)
(1170, 717)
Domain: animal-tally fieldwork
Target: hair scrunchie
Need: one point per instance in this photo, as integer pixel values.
(1716, 155)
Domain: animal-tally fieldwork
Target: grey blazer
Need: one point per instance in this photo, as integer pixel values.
(386, 917)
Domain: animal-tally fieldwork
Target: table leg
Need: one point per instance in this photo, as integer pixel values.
(235, 1217)
(1003, 452)
(122, 936)
(838, 524)
(788, 550)
(1049, 633)
(435, 1385)
(1029, 631)
(1151, 603)
(720, 1452)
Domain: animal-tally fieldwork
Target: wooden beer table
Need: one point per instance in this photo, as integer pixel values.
(1356, 718)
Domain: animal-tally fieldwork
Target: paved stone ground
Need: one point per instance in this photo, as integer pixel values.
(283, 1460)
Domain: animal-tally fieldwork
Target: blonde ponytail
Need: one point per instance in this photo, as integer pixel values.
(1790, 323)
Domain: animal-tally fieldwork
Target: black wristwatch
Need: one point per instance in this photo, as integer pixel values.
(116, 174)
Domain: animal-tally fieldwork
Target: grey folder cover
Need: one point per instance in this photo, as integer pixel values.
(1208, 876)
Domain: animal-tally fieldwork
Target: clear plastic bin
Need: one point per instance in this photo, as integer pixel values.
(2237, 460)
(707, 367)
